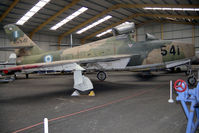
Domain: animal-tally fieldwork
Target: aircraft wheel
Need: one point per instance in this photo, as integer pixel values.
(192, 80)
(178, 70)
(101, 75)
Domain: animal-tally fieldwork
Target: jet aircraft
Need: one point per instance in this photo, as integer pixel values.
(119, 52)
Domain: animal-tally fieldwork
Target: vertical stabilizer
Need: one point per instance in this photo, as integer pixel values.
(18, 38)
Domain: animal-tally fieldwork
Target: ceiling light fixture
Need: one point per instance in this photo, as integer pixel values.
(105, 32)
(94, 24)
(69, 18)
(171, 9)
(32, 12)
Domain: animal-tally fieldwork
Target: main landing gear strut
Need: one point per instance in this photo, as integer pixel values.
(191, 77)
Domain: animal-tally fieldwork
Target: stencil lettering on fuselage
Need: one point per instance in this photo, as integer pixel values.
(48, 58)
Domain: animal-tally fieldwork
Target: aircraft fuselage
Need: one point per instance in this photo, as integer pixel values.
(147, 52)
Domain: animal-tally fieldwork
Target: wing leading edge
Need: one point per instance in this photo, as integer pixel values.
(62, 64)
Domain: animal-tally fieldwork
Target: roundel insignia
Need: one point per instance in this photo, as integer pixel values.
(48, 58)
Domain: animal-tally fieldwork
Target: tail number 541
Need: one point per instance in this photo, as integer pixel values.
(173, 50)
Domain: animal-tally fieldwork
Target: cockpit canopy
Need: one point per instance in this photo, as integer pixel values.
(124, 28)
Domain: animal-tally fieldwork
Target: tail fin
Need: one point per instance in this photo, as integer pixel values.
(18, 38)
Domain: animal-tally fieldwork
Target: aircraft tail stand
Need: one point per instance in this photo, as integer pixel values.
(81, 83)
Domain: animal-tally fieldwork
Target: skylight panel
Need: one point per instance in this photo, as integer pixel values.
(171, 9)
(32, 12)
(41, 4)
(64, 21)
(94, 24)
(177, 9)
(35, 9)
(69, 18)
(103, 33)
(29, 14)
(25, 18)
(21, 22)
(77, 13)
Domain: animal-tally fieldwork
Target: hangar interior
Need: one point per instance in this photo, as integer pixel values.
(168, 31)
(136, 104)
(170, 25)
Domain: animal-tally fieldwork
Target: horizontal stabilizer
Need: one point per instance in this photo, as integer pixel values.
(11, 48)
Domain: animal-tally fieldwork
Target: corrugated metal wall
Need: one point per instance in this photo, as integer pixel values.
(170, 32)
(3, 42)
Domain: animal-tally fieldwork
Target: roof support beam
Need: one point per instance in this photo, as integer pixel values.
(74, 2)
(122, 6)
(137, 15)
(8, 10)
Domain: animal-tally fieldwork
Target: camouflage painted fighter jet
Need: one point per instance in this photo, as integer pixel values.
(119, 52)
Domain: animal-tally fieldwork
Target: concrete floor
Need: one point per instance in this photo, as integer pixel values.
(123, 103)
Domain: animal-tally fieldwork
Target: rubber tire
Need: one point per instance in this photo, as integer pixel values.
(178, 70)
(192, 80)
(101, 76)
